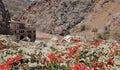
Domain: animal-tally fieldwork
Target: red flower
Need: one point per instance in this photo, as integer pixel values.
(72, 51)
(76, 48)
(53, 57)
(2, 66)
(18, 57)
(97, 66)
(95, 63)
(110, 62)
(1, 46)
(101, 66)
(80, 66)
(115, 48)
(61, 54)
(76, 40)
(96, 44)
(112, 53)
(100, 54)
(10, 61)
(58, 44)
(5, 67)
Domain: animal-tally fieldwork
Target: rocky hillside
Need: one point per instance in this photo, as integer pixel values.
(56, 16)
(71, 16)
(16, 7)
(4, 18)
(105, 17)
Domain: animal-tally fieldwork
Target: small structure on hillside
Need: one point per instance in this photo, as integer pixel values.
(22, 30)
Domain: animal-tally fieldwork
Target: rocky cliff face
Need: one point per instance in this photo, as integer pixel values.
(4, 18)
(56, 16)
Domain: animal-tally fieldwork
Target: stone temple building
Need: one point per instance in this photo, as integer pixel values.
(23, 31)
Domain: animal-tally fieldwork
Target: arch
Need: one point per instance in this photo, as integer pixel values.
(29, 36)
(21, 37)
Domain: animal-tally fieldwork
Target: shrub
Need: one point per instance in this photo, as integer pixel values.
(103, 36)
(67, 32)
(83, 28)
(11, 14)
(107, 29)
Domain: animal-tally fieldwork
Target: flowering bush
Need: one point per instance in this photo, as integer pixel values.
(75, 54)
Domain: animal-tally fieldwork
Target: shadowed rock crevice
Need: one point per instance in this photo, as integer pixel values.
(4, 18)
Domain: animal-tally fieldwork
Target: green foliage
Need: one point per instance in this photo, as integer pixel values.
(67, 32)
(103, 36)
(56, 66)
(83, 28)
(11, 14)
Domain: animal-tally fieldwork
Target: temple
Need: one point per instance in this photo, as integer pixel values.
(22, 31)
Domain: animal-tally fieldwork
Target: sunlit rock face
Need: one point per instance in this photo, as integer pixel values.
(4, 18)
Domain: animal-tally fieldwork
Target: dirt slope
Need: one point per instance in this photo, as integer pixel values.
(105, 13)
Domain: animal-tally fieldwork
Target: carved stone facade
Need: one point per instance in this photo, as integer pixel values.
(22, 31)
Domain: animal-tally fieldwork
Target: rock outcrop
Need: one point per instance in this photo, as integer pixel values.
(4, 18)
(56, 16)
(16, 7)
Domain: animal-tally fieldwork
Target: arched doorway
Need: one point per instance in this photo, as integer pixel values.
(29, 36)
(21, 37)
